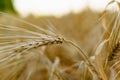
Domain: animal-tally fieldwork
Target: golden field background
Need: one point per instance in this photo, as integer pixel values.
(59, 61)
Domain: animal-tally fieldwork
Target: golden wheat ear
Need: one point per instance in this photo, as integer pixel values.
(20, 48)
(18, 38)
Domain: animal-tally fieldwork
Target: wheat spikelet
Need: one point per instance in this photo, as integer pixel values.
(114, 54)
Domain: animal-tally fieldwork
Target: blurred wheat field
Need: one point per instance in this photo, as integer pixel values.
(82, 46)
